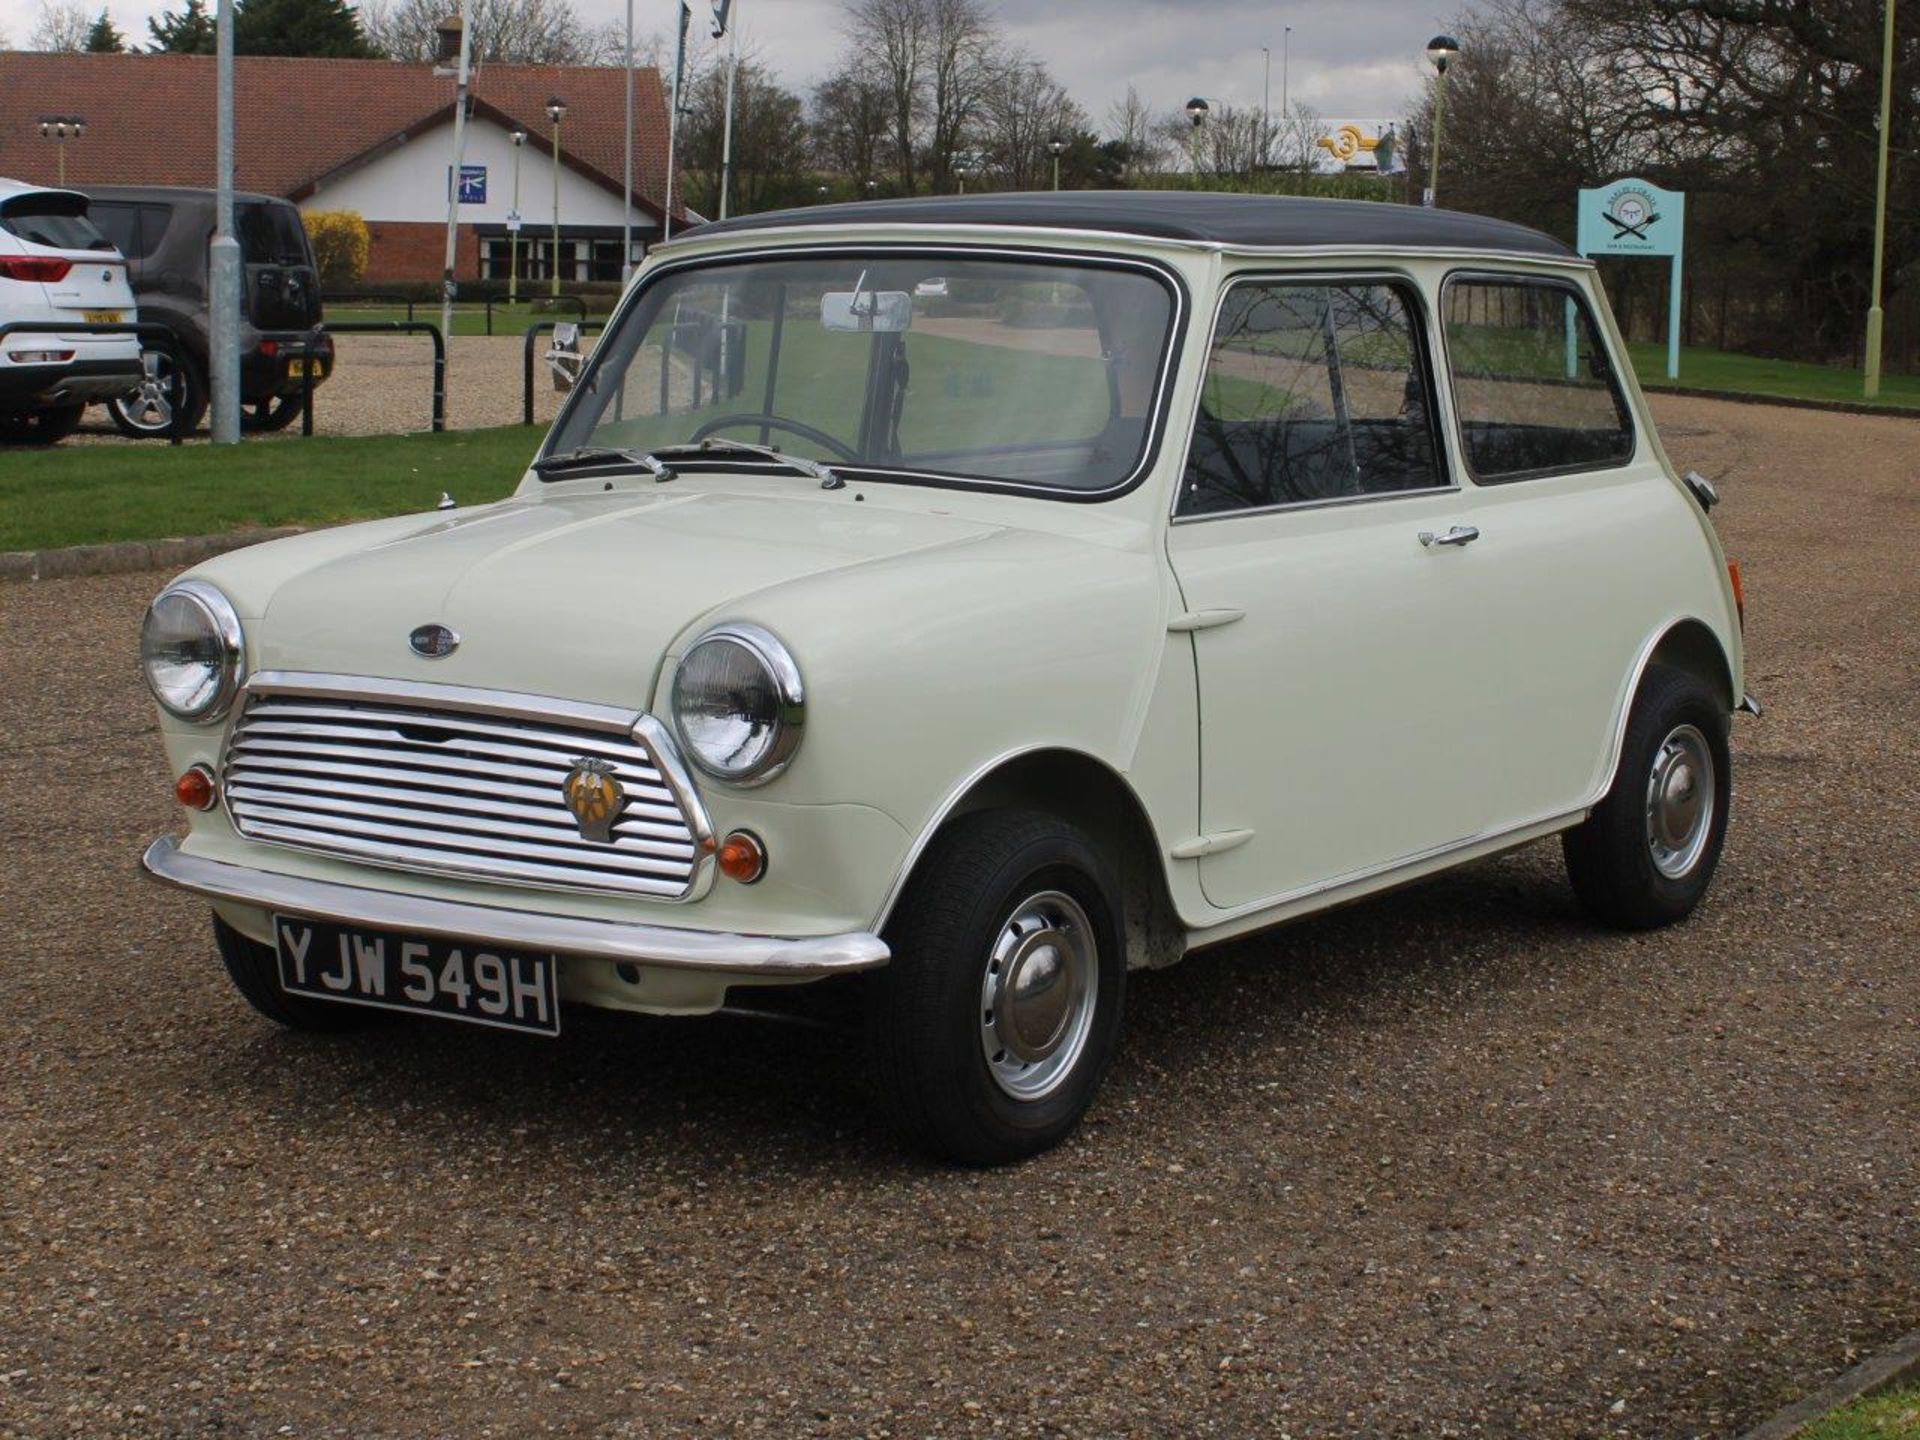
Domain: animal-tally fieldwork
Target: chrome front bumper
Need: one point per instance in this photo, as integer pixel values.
(660, 945)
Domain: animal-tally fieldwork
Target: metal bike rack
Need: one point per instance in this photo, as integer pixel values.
(384, 327)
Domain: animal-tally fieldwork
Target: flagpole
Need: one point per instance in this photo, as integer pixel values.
(673, 118)
(626, 183)
(731, 20)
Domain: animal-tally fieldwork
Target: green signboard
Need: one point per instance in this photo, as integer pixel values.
(1637, 217)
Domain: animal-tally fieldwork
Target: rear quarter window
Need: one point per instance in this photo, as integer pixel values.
(1533, 383)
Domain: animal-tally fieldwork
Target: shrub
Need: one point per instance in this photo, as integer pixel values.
(339, 245)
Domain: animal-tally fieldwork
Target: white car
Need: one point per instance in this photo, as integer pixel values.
(57, 268)
(1182, 565)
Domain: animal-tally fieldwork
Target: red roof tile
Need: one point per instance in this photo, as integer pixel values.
(150, 118)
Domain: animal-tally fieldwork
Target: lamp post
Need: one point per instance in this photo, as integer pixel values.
(1056, 146)
(1442, 50)
(1876, 317)
(556, 112)
(455, 45)
(1266, 110)
(1197, 110)
(519, 141)
(60, 129)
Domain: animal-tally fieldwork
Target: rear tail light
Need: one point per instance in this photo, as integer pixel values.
(269, 348)
(1739, 592)
(44, 268)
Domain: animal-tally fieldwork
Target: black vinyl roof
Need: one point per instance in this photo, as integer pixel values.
(1208, 216)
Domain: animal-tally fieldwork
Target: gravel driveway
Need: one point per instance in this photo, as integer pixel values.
(1447, 1163)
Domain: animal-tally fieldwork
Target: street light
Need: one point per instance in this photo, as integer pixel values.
(1197, 111)
(519, 141)
(60, 129)
(1876, 317)
(1442, 50)
(556, 112)
(1056, 145)
(1266, 110)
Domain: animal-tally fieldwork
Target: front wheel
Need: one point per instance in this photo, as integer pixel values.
(1647, 853)
(999, 1013)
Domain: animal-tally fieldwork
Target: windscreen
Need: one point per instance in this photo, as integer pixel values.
(270, 235)
(1037, 372)
(58, 221)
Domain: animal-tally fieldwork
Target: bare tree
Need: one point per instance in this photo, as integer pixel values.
(1026, 109)
(769, 140)
(894, 35)
(61, 25)
(1132, 124)
(959, 73)
(527, 32)
(850, 126)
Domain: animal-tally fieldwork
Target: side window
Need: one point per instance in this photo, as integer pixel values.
(120, 224)
(1313, 392)
(1532, 380)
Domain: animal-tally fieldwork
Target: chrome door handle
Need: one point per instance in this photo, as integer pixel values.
(1458, 535)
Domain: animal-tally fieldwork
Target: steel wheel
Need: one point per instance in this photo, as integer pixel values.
(1680, 801)
(1037, 995)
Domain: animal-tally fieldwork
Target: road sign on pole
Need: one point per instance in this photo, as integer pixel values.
(1637, 217)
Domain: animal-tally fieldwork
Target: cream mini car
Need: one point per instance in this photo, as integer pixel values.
(980, 598)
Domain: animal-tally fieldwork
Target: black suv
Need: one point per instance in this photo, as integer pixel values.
(164, 233)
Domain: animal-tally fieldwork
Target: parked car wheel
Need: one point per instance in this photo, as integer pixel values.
(274, 413)
(998, 1015)
(1647, 853)
(255, 972)
(41, 427)
(169, 387)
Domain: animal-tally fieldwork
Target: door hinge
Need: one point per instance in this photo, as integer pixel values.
(1204, 619)
(1214, 844)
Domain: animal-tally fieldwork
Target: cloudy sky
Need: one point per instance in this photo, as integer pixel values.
(1361, 58)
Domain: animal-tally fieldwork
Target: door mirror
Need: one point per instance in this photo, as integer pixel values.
(563, 356)
(886, 312)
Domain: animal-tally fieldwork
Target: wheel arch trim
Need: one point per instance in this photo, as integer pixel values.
(1691, 630)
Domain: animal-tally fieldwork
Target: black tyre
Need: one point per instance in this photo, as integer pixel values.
(274, 413)
(255, 972)
(998, 1015)
(173, 387)
(41, 427)
(1647, 853)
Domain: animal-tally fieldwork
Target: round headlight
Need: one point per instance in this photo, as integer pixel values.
(190, 650)
(738, 704)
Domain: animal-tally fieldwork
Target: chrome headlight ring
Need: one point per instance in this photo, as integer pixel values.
(191, 650)
(739, 705)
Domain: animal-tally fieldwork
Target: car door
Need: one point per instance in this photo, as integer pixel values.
(1322, 553)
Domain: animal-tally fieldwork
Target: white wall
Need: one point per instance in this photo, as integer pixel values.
(409, 183)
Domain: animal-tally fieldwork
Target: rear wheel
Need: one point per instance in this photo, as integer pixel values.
(170, 387)
(995, 1020)
(276, 412)
(1647, 853)
(255, 972)
(41, 427)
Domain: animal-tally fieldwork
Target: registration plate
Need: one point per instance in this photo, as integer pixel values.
(102, 317)
(297, 368)
(453, 979)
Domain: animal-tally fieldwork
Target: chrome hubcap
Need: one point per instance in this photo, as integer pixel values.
(1037, 995)
(150, 407)
(1680, 801)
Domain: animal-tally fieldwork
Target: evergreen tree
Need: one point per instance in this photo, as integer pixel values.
(191, 32)
(327, 28)
(103, 39)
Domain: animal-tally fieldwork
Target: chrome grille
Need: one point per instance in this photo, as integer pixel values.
(458, 781)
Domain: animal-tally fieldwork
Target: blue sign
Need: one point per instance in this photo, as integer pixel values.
(1637, 217)
(473, 184)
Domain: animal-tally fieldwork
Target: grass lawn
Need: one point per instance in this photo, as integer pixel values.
(86, 494)
(1703, 369)
(1892, 1416)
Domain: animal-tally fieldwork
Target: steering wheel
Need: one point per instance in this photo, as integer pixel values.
(777, 422)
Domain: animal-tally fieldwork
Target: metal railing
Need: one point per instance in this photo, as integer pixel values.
(383, 327)
(364, 299)
(144, 330)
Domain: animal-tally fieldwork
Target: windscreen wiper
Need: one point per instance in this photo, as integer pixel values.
(595, 457)
(829, 478)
